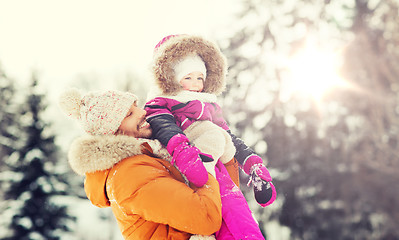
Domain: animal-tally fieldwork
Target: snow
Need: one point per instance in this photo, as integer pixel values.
(45, 185)
(8, 210)
(92, 223)
(279, 232)
(34, 154)
(25, 222)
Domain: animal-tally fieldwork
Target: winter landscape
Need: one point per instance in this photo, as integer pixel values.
(312, 86)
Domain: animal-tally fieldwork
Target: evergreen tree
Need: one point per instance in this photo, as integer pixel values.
(8, 117)
(33, 179)
(9, 131)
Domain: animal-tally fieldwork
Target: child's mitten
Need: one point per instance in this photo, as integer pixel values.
(188, 159)
(264, 190)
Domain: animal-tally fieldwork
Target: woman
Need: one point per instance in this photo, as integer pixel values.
(127, 171)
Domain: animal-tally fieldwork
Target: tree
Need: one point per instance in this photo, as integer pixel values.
(8, 117)
(334, 159)
(34, 180)
(9, 128)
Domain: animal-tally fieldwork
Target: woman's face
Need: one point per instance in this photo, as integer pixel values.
(135, 124)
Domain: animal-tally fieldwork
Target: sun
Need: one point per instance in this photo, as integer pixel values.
(313, 71)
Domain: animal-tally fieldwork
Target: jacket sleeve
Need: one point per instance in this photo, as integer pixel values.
(242, 150)
(162, 122)
(217, 117)
(147, 188)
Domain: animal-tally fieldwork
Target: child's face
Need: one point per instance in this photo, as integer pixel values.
(135, 124)
(193, 82)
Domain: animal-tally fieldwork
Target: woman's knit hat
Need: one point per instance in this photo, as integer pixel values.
(100, 112)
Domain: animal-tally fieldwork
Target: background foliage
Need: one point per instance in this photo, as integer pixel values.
(335, 159)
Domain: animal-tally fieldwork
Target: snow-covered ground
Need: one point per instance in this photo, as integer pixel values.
(92, 223)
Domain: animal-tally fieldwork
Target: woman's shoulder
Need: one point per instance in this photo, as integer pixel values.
(96, 153)
(146, 166)
(133, 173)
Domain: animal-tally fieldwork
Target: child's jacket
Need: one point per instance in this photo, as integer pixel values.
(187, 108)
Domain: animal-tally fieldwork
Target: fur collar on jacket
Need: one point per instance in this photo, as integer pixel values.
(174, 49)
(96, 153)
(186, 96)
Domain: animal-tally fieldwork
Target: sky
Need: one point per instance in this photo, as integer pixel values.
(100, 40)
(62, 40)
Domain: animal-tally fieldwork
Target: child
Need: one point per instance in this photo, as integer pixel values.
(190, 71)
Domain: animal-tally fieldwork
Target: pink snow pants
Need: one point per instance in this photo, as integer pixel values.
(238, 222)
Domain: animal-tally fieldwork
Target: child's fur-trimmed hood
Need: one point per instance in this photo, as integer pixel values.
(96, 153)
(178, 47)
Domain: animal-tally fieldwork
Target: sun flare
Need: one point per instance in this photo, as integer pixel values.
(313, 72)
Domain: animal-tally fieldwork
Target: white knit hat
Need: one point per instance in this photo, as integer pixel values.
(188, 65)
(99, 112)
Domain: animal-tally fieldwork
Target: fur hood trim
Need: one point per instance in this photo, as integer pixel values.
(97, 153)
(178, 47)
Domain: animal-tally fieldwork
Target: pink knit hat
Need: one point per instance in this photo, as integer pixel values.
(99, 112)
(164, 40)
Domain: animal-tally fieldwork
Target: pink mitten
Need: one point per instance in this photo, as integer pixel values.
(264, 190)
(188, 159)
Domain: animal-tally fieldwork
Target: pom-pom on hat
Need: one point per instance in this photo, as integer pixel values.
(188, 65)
(100, 112)
(164, 40)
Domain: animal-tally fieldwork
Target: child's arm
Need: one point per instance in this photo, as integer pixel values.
(162, 121)
(188, 158)
(243, 152)
(252, 164)
(247, 158)
(164, 126)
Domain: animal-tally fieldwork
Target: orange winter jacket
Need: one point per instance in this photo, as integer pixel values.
(148, 196)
